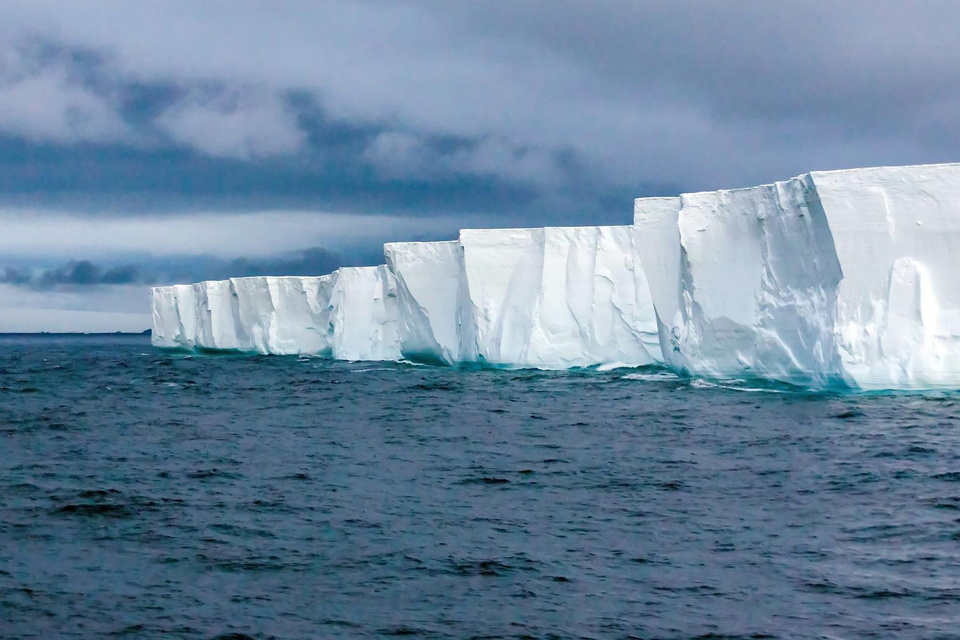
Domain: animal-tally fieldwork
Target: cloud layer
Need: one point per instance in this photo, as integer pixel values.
(532, 95)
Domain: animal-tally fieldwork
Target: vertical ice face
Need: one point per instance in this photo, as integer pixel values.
(217, 316)
(502, 271)
(174, 316)
(843, 276)
(594, 305)
(896, 231)
(744, 281)
(284, 315)
(657, 248)
(364, 314)
(555, 298)
(166, 321)
(428, 278)
(833, 276)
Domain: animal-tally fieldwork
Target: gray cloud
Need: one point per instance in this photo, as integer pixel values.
(45, 99)
(672, 92)
(240, 123)
(79, 274)
(313, 261)
(76, 273)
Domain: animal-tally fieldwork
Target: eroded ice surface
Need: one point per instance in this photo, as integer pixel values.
(364, 314)
(428, 276)
(555, 298)
(284, 315)
(281, 315)
(844, 276)
(897, 237)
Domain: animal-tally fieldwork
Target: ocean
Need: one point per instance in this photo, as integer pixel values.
(148, 494)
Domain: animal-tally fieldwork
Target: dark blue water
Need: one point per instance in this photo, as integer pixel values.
(153, 495)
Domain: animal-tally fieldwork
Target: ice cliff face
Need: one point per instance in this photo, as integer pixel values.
(831, 277)
(364, 315)
(897, 238)
(555, 298)
(281, 315)
(350, 314)
(843, 277)
(428, 277)
(548, 298)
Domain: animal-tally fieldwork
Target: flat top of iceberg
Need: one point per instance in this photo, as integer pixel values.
(916, 171)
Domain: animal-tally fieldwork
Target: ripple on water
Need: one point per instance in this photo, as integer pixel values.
(148, 494)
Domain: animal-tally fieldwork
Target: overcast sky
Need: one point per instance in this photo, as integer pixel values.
(154, 141)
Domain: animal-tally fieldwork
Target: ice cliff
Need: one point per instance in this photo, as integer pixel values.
(548, 298)
(428, 277)
(842, 277)
(555, 298)
(350, 314)
(831, 278)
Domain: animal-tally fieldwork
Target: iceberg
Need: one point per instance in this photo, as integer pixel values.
(549, 298)
(350, 314)
(841, 277)
(174, 317)
(284, 315)
(837, 278)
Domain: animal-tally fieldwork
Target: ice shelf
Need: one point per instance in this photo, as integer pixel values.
(832, 278)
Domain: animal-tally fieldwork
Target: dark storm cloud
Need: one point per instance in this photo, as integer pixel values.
(550, 110)
(77, 274)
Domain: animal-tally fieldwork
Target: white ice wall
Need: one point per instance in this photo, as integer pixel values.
(897, 236)
(743, 282)
(364, 314)
(282, 315)
(835, 276)
(217, 313)
(831, 277)
(501, 283)
(555, 298)
(428, 276)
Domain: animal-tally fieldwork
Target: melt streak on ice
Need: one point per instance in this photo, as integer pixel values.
(831, 278)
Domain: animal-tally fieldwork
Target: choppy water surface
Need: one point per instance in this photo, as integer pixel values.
(156, 495)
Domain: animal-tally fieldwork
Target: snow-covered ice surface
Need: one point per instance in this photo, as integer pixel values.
(843, 277)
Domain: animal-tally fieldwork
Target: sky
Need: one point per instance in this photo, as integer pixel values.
(164, 141)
